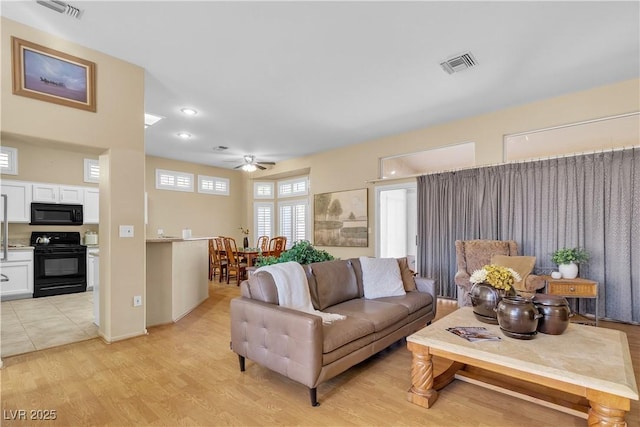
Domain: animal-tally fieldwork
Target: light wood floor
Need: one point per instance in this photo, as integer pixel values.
(185, 374)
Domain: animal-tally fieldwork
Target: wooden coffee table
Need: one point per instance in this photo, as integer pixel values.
(585, 371)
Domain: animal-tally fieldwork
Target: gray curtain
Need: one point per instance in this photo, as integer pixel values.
(584, 201)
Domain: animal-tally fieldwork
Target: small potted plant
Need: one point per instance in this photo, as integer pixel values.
(568, 260)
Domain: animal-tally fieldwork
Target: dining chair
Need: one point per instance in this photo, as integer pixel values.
(234, 263)
(218, 258)
(263, 243)
(277, 245)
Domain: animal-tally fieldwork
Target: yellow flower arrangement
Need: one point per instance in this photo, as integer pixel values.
(497, 276)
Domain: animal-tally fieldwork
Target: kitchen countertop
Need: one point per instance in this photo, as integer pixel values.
(175, 239)
(20, 248)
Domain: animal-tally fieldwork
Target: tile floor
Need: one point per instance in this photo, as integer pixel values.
(36, 323)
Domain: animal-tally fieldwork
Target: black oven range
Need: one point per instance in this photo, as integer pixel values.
(60, 263)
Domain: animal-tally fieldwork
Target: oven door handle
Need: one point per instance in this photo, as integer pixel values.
(63, 252)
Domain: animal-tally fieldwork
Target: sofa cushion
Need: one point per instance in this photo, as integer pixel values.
(335, 282)
(357, 269)
(349, 330)
(413, 301)
(523, 265)
(408, 280)
(380, 314)
(262, 287)
(381, 277)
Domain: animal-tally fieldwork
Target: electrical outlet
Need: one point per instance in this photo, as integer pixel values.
(137, 301)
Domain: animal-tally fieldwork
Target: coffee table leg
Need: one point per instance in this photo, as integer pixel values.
(604, 416)
(421, 391)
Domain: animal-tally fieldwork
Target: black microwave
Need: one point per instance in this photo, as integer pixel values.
(56, 214)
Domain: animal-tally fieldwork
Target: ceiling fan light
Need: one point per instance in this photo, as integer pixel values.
(249, 168)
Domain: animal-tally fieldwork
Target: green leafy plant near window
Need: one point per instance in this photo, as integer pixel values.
(302, 252)
(569, 255)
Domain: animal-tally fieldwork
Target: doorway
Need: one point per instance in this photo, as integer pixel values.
(396, 222)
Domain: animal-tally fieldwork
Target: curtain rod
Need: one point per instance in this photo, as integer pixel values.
(537, 159)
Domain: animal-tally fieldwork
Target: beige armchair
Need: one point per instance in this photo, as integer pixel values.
(472, 255)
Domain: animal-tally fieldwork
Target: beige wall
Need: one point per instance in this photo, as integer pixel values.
(204, 214)
(351, 167)
(117, 131)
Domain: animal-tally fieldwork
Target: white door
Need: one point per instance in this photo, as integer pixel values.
(396, 227)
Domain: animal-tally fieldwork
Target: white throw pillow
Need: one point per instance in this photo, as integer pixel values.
(381, 277)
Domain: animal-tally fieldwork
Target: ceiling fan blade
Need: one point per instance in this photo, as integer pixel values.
(259, 167)
(266, 163)
(238, 167)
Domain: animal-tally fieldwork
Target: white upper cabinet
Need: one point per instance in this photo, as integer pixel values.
(91, 205)
(19, 201)
(20, 194)
(51, 193)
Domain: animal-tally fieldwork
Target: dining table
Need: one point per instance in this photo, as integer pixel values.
(250, 255)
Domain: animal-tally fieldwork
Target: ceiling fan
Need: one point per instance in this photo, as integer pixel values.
(251, 165)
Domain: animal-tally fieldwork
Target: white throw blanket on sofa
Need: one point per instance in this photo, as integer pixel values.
(293, 289)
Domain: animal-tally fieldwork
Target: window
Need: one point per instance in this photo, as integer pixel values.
(9, 160)
(91, 170)
(176, 181)
(598, 134)
(293, 187)
(438, 159)
(263, 215)
(293, 220)
(263, 190)
(213, 185)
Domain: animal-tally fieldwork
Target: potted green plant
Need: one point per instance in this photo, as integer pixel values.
(302, 252)
(568, 260)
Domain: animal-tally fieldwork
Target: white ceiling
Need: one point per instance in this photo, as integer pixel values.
(285, 79)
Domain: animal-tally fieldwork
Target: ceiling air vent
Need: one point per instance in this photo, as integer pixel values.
(61, 7)
(459, 63)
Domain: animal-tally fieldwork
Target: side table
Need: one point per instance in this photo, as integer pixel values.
(573, 288)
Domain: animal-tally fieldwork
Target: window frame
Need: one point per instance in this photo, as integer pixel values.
(12, 160)
(177, 175)
(258, 184)
(292, 183)
(294, 202)
(88, 164)
(271, 207)
(214, 191)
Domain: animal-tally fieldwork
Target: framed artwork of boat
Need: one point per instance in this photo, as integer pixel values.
(49, 75)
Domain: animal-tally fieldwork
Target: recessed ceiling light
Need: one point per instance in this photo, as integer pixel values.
(189, 111)
(184, 135)
(151, 119)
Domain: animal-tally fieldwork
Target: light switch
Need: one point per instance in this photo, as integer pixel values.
(126, 231)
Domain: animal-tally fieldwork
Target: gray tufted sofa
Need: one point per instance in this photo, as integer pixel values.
(299, 346)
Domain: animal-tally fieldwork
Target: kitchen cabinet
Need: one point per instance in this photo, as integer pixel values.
(51, 193)
(17, 274)
(19, 201)
(91, 205)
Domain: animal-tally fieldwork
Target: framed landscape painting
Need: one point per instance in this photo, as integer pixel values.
(53, 76)
(340, 219)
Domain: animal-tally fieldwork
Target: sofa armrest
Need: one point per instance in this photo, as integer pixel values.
(532, 283)
(286, 341)
(462, 280)
(426, 285)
